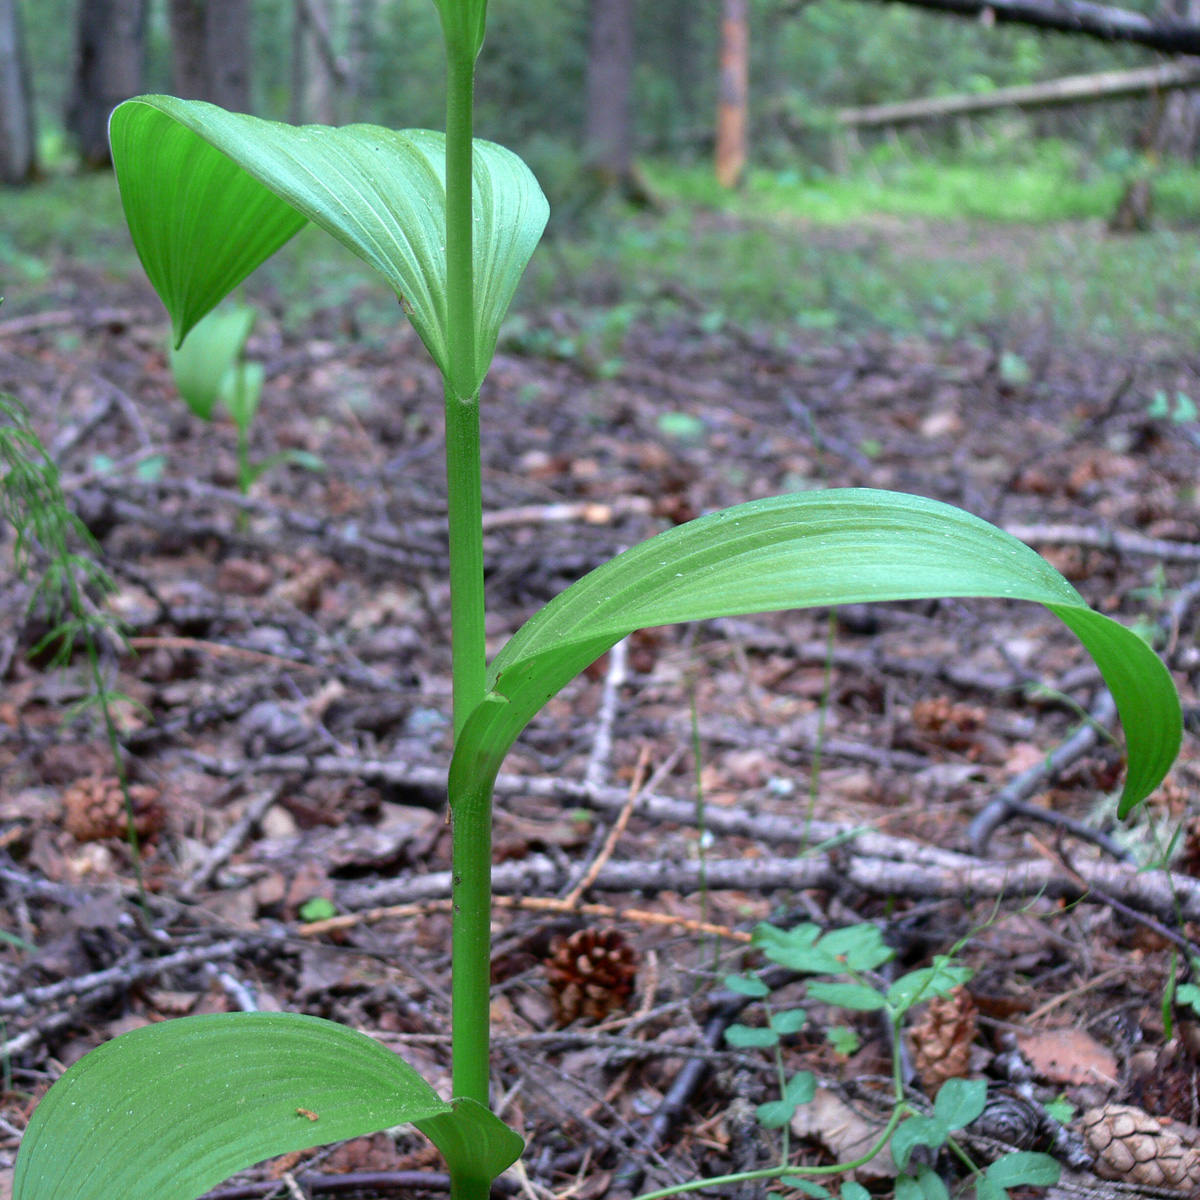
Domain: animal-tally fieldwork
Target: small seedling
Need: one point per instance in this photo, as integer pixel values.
(168, 1111)
(210, 367)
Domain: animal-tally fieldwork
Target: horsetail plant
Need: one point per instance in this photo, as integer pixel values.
(165, 1112)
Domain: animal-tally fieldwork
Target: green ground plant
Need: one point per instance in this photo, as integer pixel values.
(843, 965)
(211, 367)
(167, 1111)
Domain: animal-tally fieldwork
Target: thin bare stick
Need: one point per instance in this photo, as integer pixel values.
(573, 897)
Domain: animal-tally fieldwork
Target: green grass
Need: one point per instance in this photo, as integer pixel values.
(903, 243)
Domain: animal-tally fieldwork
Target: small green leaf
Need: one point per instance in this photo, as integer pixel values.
(860, 947)
(917, 1131)
(856, 996)
(745, 1037)
(960, 1101)
(931, 1185)
(150, 469)
(1060, 1109)
(791, 1020)
(168, 1111)
(939, 980)
(475, 1143)
(907, 1188)
(843, 1039)
(855, 1191)
(747, 985)
(681, 426)
(774, 1114)
(1189, 994)
(795, 948)
(319, 908)
(1024, 1168)
(986, 1189)
(208, 356)
(800, 1089)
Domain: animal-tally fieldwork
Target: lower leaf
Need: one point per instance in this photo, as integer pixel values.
(168, 1111)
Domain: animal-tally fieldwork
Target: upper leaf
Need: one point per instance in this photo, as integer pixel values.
(209, 195)
(166, 1112)
(841, 546)
(462, 26)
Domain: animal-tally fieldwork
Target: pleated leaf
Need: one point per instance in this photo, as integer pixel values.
(168, 1111)
(842, 546)
(209, 195)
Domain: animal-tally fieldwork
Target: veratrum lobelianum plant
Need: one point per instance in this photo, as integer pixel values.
(165, 1112)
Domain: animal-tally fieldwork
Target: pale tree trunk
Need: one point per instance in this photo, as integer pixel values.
(734, 89)
(110, 40)
(315, 66)
(210, 51)
(609, 136)
(18, 142)
(362, 23)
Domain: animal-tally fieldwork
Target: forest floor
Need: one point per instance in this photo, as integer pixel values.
(288, 656)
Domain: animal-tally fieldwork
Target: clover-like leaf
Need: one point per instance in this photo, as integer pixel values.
(856, 996)
(209, 195)
(960, 1101)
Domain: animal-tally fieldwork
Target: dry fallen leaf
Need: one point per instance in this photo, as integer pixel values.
(846, 1134)
(1069, 1056)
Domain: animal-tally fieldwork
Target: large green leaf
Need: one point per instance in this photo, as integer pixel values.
(842, 546)
(166, 1112)
(209, 195)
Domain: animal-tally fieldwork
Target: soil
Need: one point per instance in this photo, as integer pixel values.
(287, 658)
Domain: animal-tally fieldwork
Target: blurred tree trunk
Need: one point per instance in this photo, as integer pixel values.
(316, 70)
(1178, 132)
(109, 48)
(731, 105)
(18, 141)
(609, 135)
(362, 24)
(210, 51)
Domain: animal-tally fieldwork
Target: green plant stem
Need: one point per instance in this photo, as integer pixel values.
(471, 814)
(716, 1181)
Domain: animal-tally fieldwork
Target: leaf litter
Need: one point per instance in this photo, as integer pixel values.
(289, 667)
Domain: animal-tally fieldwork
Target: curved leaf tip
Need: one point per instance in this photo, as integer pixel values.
(841, 546)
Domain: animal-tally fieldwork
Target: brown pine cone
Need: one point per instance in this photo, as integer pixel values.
(95, 809)
(953, 725)
(591, 974)
(1131, 1146)
(941, 1039)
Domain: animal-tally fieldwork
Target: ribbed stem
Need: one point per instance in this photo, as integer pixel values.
(471, 814)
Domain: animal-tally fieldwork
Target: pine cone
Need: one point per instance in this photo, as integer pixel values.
(1131, 1146)
(941, 1039)
(591, 974)
(95, 809)
(953, 725)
